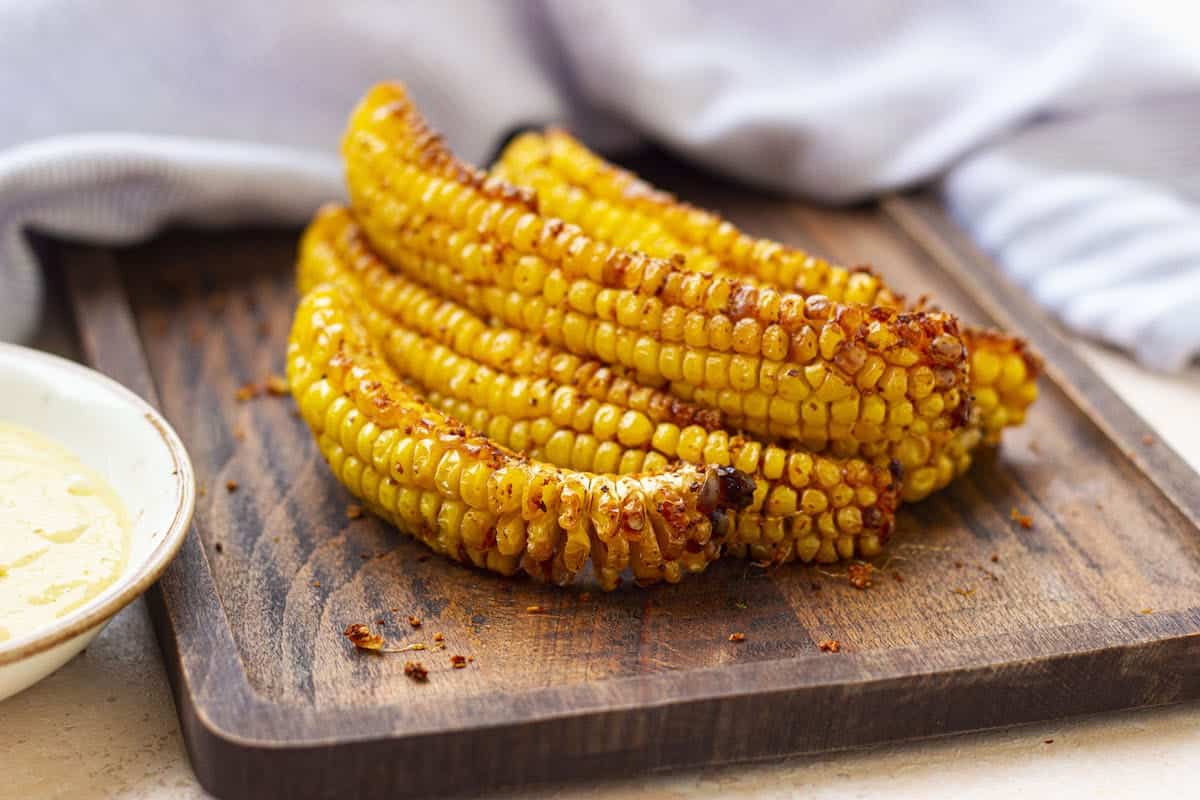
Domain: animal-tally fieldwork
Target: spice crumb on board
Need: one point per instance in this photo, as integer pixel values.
(354, 511)
(1024, 520)
(362, 638)
(416, 670)
(231, 486)
(585, 596)
(995, 558)
(239, 435)
(247, 391)
(1146, 611)
(1147, 439)
(897, 577)
(963, 592)
(316, 584)
(414, 621)
(859, 575)
(1047, 741)
(737, 637)
(830, 646)
(276, 385)
(458, 662)
(220, 548)
(437, 637)
(535, 609)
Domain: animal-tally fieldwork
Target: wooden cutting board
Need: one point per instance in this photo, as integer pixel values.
(972, 621)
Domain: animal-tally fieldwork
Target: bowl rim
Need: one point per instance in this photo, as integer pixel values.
(134, 581)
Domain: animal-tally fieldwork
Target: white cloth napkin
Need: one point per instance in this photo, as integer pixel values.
(1035, 113)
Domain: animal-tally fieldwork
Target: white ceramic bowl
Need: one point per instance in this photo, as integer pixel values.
(116, 432)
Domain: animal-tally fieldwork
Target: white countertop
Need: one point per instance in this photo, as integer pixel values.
(104, 725)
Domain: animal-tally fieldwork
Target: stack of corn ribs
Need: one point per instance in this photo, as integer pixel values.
(553, 365)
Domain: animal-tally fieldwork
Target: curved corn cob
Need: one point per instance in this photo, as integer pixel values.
(805, 507)
(473, 501)
(617, 206)
(806, 368)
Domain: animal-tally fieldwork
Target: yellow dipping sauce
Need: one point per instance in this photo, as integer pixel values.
(64, 533)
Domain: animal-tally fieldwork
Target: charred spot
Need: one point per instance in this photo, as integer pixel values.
(742, 301)
(896, 470)
(961, 415)
(873, 518)
(725, 487)
(722, 524)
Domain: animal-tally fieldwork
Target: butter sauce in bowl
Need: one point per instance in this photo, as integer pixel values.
(96, 496)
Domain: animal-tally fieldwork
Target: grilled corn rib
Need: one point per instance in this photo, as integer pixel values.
(580, 187)
(809, 367)
(473, 501)
(803, 507)
(617, 206)
(334, 250)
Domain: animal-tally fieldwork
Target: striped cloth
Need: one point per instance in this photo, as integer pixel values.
(1061, 130)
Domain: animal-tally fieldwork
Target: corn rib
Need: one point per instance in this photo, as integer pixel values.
(476, 502)
(817, 370)
(618, 207)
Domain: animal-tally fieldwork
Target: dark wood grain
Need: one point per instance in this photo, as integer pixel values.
(1096, 608)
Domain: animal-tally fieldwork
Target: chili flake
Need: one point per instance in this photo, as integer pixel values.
(860, 575)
